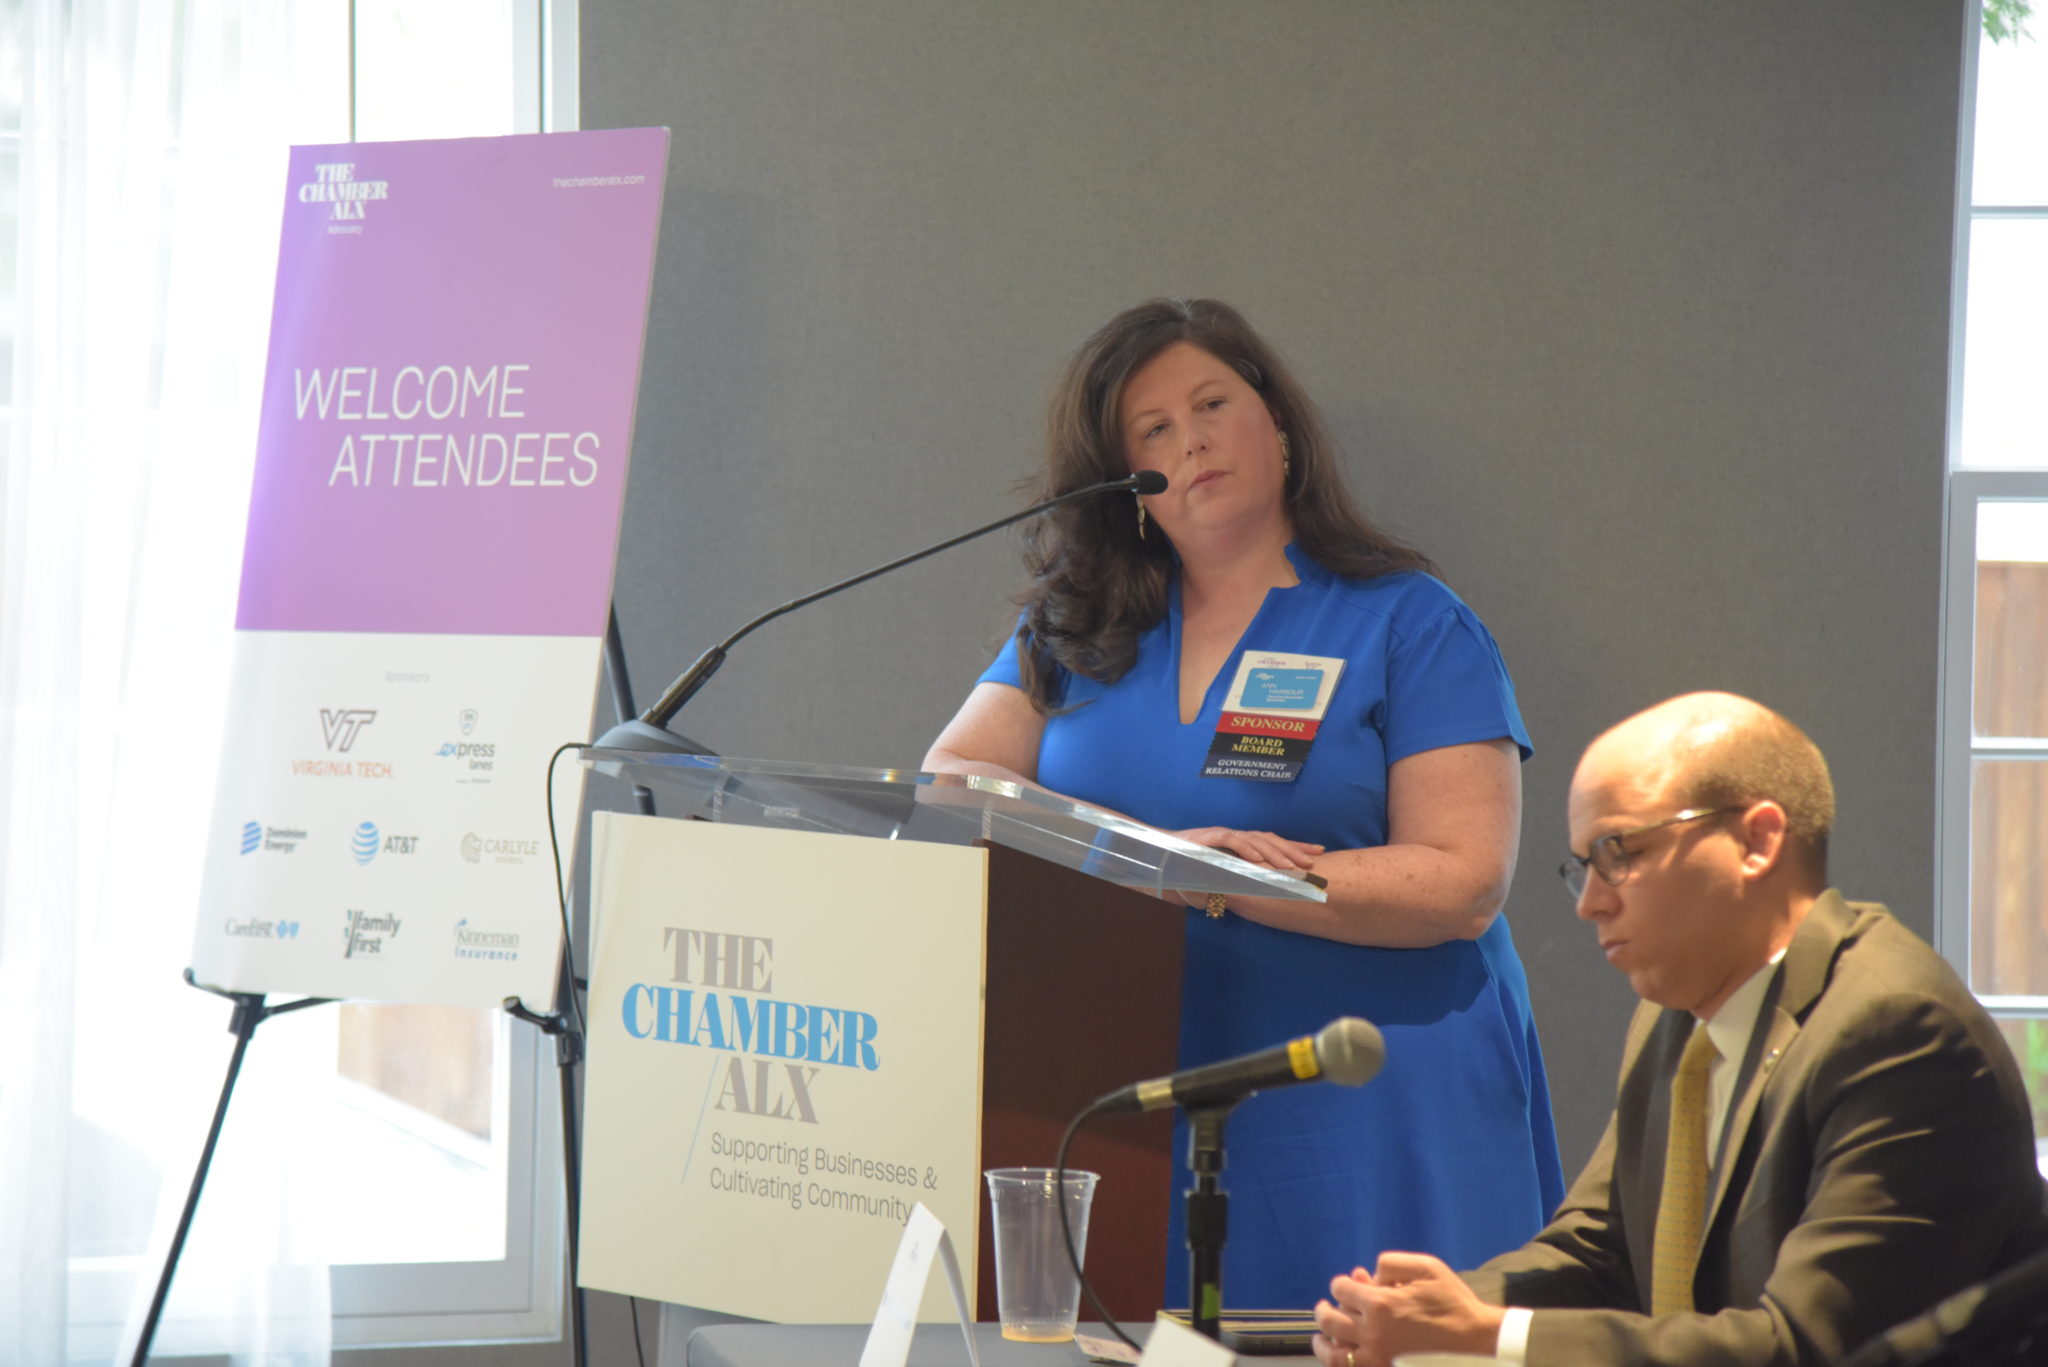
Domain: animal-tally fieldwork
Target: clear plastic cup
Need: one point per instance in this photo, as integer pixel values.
(1038, 1297)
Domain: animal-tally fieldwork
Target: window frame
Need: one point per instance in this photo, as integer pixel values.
(1965, 491)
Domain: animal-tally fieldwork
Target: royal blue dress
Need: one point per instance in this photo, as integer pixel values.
(1450, 1150)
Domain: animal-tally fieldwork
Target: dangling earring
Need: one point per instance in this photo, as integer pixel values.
(1286, 462)
(1141, 515)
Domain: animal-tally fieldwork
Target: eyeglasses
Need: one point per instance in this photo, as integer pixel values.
(1609, 857)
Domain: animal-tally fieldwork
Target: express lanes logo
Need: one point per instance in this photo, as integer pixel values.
(474, 759)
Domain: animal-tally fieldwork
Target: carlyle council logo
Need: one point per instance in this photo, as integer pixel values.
(498, 849)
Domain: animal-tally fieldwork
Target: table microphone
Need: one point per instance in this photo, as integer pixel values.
(650, 730)
(1348, 1051)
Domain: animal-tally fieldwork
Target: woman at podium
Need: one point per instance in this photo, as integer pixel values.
(1245, 660)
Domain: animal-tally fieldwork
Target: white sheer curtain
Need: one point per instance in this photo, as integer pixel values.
(152, 150)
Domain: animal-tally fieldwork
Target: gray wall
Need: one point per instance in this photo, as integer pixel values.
(1635, 316)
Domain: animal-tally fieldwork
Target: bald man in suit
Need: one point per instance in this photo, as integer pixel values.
(1860, 1138)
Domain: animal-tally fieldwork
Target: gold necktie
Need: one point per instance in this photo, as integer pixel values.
(1676, 1254)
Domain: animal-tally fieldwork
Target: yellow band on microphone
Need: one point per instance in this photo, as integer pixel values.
(1301, 1056)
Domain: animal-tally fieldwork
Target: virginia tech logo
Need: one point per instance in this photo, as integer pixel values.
(341, 725)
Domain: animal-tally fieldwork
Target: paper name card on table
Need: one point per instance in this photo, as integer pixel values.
(1173, 1344)
(888, 1342)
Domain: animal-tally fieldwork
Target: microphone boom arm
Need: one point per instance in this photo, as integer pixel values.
(697, 675)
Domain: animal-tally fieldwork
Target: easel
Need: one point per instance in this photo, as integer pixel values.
(250, 1012)
(565, 1026)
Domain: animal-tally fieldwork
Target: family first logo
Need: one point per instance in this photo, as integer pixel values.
(334, 184)
(779, 1048)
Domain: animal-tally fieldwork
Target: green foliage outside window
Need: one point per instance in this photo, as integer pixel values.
(2006, 20)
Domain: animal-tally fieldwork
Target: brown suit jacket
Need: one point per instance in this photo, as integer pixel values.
(1877, 1155)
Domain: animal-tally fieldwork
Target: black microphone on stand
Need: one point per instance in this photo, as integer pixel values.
(650, 730)
(1348, 1051)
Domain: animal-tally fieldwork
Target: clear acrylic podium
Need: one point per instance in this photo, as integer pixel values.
(1083, 962)
(946, 809)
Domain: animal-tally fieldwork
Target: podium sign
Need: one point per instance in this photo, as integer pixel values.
(785, 1059)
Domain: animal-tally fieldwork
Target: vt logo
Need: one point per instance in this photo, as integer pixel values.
(340, 725)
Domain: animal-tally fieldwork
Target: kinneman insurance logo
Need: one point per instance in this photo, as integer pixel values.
(484, 944)
(257, 836)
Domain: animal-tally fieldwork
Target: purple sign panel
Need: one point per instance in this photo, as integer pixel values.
(454, 355)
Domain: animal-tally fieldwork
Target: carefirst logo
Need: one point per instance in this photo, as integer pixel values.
(484, 944)
(334, 183)
(365, 934)
(257, 836)
(256, 929)
(771, 1041)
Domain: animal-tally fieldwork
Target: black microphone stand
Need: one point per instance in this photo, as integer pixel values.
(563, 1025)
(1208, 1219)
(650, 730)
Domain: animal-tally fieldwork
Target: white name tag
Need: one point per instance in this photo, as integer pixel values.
(888, 1342)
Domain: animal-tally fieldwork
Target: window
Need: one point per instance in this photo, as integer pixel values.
(420, 1147)
(1992, 921)
(458, 1236)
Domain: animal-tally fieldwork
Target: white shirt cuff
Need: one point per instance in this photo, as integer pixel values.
(1513, 1343)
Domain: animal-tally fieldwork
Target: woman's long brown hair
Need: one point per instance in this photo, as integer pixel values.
(1095, 585)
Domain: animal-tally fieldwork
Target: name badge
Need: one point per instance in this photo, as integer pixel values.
(1271, 715)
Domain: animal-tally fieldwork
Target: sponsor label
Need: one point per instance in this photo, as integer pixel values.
(1270, 716)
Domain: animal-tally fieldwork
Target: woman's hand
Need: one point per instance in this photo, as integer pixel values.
(1254, 847)
(1454, 816)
